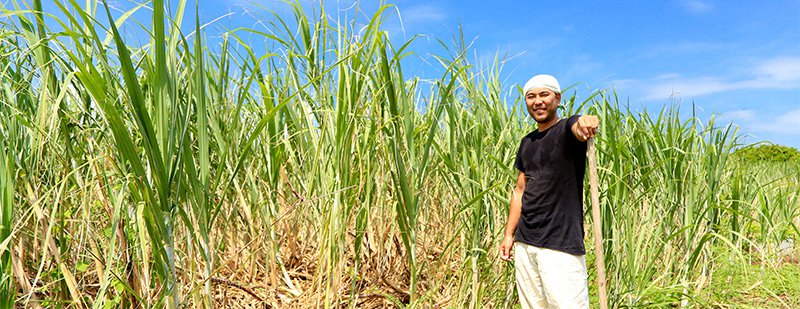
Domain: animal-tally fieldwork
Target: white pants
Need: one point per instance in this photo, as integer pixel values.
(550, 279)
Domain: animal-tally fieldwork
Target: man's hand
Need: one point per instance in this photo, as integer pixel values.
(586, 127)
(506, 248)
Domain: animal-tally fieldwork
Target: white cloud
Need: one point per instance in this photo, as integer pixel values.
(667, 76)
(583, 65)
(737, 116)
(683, 87)
(403, 21)
(775, 73)
(783, 124)
(696, 6)
(757, 122)
(688, 47)
(421, 14)
(781, 69)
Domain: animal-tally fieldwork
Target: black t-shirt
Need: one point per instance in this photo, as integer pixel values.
(554, 163)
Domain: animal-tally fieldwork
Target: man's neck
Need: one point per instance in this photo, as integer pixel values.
(547, 125)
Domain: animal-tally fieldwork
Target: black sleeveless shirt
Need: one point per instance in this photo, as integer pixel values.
(554, 163)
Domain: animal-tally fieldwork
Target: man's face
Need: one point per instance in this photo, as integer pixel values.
(542, 104)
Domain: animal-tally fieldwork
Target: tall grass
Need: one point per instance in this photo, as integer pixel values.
(188, 171)
(7, 289)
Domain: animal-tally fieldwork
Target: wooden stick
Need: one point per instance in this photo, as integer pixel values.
(598, 231)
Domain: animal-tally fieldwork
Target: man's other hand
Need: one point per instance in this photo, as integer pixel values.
(506, 248)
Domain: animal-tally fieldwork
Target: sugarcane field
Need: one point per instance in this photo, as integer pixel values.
(399, 154)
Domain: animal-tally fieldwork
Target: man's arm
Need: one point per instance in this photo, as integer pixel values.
(514, 212)
(586, 127)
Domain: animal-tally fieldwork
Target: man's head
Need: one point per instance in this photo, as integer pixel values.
(542, 97)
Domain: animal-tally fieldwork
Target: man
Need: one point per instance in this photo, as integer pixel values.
(545, 220)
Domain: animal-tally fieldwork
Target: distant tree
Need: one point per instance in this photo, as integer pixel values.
(768, 152)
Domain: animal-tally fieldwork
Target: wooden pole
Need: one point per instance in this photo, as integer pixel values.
(598, 231)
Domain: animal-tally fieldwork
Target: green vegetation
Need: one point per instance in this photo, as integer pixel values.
(315, 173)
(768, 152)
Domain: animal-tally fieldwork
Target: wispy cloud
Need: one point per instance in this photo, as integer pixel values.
(755, 122)
(781, 124)
(695, 6)
(688, 47)
(679, 86)
(420, 14)
(738, 116)
(416, 19)
(775, 73)
(783, 69)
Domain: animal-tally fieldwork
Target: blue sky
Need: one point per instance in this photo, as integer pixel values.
(738, 60)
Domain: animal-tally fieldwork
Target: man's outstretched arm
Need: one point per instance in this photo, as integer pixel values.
(514, 212)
